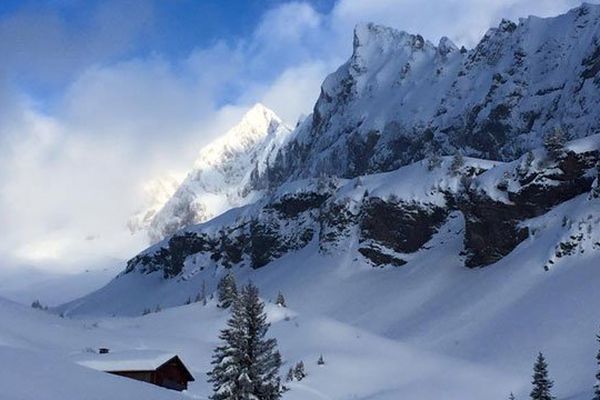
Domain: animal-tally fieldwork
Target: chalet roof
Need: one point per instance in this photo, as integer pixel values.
(132, 360)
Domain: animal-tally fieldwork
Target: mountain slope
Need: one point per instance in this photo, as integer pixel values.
(221, 177)
(497, 317)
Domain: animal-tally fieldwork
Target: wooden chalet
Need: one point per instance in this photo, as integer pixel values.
(158, 368)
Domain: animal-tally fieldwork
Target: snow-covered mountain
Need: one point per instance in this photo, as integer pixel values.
(488, 255)
(400, 97)
(222, 175)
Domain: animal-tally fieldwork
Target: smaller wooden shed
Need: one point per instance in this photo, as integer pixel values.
(155, 367)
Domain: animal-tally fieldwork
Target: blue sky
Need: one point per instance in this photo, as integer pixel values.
(52, 41)
(97, 98)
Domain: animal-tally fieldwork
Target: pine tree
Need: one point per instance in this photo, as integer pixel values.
(226, 291)
(457, 162)
(512, 396)
(246, 366)
(434, 161)
(555, 144)
(37, 304)
(321, 361)
(597, 385)
(299, 372)
(280, 300)
(595, 193)
(541, 383)
(201, 297)
(290, 375)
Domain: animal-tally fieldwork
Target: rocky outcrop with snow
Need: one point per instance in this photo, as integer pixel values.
(386, 218)
(400, 97)
(221, 177)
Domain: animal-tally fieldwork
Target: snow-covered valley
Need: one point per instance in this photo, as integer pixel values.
(429, 239)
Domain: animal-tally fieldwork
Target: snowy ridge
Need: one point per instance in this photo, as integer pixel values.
(221, 177)
(400, 98)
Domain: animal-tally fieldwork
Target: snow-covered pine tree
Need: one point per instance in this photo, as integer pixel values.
(226, 291)
(290, 375)
(542, 384)
(299, 372)
(457, 162)
(597, 385)
(595, 193)
(433, 161)
(511, 396)
(201, 297)
(555, 144)
(246, 366)
(37, 305)
(321, 360)
(280, 300)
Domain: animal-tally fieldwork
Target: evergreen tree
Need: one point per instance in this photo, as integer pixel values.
(457, 162)
(597, 385)
(290, 375)
(299, 372)
(555, 144)
(595, 193)
(541, 383)
(512, 396)
(321, 361)
(246, 365)
(201, 297)
(37, 304)
(434, 161)
(226, 291)
(530, 159)
(280, 300)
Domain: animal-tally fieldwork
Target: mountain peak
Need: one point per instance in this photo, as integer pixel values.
(260, 115)
(374, 44)
(220, 178)
(368, 35)
(256, 124)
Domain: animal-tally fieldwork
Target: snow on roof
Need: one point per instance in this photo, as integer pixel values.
(133, 360)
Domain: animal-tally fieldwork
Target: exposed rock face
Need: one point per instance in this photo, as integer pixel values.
(273, 229)
(493, 227)
(332, 212)
(401, 227)
(491, 230)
